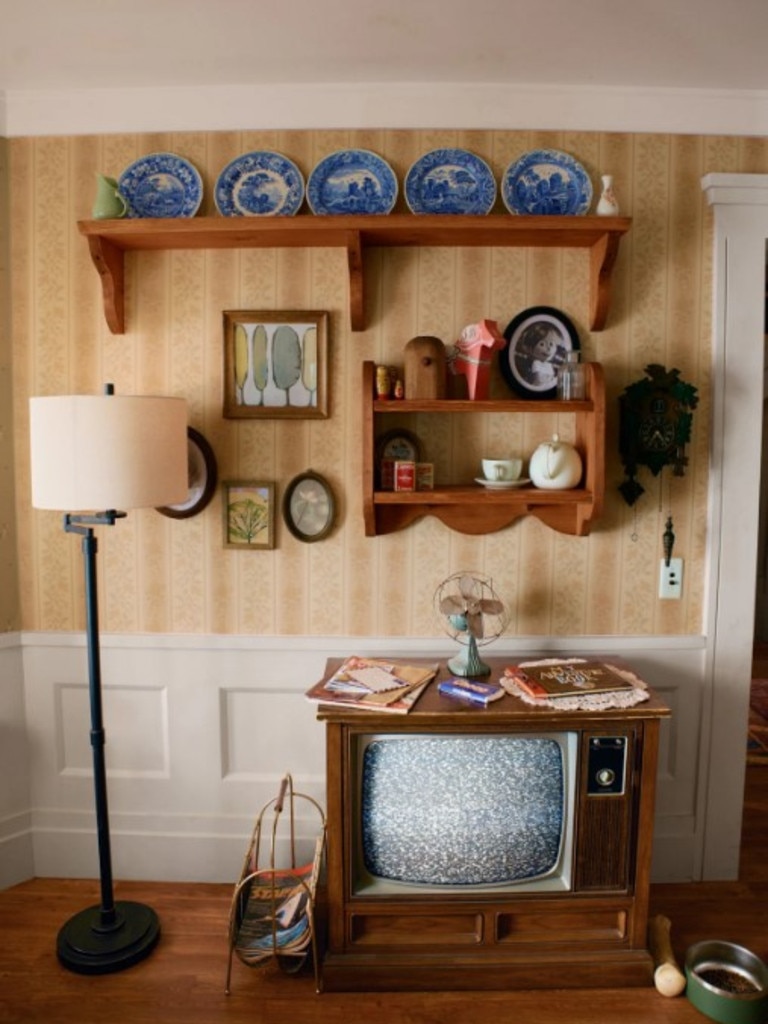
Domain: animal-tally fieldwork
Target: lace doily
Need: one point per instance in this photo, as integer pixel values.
(581, 702)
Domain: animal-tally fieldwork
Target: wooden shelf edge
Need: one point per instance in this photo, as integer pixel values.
(495, 405)
(396, 229)
(109, 239)
(574, 519)
(528, 497)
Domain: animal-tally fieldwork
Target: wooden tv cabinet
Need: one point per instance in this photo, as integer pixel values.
(592, 936)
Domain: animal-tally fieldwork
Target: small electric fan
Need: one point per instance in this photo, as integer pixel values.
(472, 614)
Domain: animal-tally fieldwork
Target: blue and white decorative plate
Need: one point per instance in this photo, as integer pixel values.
(161, 185)
(450, 181)
(546, 181)
(352, 181)
(259, 184)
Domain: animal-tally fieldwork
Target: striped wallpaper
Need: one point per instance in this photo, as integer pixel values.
(175, 576)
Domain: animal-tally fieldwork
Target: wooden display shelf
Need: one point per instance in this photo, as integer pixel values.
(109, 240)
(469, 509)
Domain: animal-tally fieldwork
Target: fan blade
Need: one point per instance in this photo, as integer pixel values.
(475, 624)
(452, 606)
(467, 587)
(491, 606)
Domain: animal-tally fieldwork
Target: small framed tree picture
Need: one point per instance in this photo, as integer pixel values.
(249, 514)
(275, 364)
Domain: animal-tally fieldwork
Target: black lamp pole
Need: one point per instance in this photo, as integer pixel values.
(112, 936)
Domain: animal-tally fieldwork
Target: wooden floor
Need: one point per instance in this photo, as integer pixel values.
(182, 982)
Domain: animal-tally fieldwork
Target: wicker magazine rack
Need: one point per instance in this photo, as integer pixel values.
(272, 915)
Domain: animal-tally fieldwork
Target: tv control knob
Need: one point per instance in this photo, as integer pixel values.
(605, 777)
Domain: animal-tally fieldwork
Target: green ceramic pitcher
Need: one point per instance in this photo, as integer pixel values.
(109, 203)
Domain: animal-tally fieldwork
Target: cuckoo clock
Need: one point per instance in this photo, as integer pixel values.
(655, 426)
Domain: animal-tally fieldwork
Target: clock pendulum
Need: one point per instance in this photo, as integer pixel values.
(668, 540)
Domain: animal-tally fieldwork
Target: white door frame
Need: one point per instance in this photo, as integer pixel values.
(740, 204)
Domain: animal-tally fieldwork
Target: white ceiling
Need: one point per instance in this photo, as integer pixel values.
(690, 44)
(98, 66)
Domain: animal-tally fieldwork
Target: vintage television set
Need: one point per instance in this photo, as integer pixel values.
(496, 847)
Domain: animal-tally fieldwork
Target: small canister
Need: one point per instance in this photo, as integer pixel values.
(405, 475)
(387, 474)
(425, 476)
(383, 382)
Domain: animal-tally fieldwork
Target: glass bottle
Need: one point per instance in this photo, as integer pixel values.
(571, 379)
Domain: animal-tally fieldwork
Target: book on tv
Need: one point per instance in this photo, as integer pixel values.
(567, 679)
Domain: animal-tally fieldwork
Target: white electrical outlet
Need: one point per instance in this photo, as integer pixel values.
(671, 579)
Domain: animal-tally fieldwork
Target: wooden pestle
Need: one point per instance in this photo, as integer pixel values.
(667, 976)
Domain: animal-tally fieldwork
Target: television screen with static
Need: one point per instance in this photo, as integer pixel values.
(468, 812)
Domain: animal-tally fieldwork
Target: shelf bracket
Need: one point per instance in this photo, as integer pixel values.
(356, 281)
(602, 258)
(108, 260)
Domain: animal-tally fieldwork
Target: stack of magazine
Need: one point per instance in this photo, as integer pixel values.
(374, 684)
(275, 915)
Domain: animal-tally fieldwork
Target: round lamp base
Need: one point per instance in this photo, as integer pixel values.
(93, 942)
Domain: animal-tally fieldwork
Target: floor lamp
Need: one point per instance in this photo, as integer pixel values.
(105, 452)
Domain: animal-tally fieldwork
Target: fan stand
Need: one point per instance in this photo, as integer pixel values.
(468, 661)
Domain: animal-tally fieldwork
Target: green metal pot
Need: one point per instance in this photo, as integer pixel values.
(727, 983)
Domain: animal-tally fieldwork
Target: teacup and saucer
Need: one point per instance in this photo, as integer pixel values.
(501, 473)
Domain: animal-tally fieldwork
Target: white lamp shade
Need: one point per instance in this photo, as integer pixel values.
(99, 452)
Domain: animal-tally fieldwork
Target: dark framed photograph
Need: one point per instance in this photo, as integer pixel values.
(309, 508)
(249, 514)
(202, 473)
(275, 364)
(538, 342)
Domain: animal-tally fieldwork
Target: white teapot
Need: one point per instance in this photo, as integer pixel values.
(555, 465)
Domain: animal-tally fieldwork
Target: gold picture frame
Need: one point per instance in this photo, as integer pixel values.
(249, 514)
(275, 364)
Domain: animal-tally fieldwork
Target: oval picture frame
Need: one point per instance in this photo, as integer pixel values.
(202, 478)
(538, 342)
(309, 507)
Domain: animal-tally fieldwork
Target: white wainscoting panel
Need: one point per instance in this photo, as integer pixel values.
(138, 730)
(200, 731)
(259, 730)
(678, 677)
(16, 858)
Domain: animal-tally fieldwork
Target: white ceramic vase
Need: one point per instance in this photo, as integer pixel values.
(606, 204)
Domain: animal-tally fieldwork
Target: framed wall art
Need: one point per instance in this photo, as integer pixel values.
(538, 342)
(202, 472)
(249, 514)
(309, 508)
(275, 364)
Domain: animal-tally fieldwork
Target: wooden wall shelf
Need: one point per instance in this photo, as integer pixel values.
(467, 508)
(109, 240)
